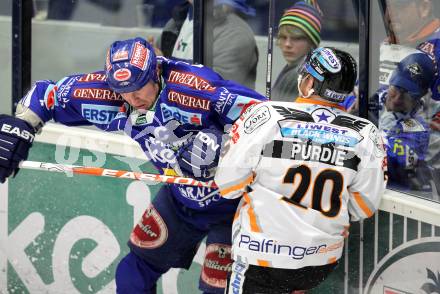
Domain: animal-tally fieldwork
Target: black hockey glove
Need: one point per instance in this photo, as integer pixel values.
(16, 137)
(199, 158)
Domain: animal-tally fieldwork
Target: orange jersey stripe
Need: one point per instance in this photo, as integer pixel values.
(264, 263)
(237, 213)
(362, 204)
(253, 219)
(238, 186)
(319, 102)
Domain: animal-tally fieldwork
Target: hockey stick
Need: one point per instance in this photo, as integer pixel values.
(270, 48)
(113, 173)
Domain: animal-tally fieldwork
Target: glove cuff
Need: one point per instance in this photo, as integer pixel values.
(29, 116)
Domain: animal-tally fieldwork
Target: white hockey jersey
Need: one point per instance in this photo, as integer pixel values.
(301, 168)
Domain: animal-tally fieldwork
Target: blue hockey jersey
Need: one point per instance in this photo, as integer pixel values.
(406, 140)
(192, 98)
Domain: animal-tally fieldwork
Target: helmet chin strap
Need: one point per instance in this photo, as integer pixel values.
(310, 92)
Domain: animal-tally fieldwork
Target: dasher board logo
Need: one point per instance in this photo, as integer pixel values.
(71, 242)
(413, 267)
(217, 264)
(151, 231)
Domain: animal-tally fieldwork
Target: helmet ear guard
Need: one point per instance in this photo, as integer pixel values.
(334, 71)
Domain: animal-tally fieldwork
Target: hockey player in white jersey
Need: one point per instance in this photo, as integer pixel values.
(304, 169)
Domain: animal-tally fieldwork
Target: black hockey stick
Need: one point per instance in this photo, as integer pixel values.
(271, 25)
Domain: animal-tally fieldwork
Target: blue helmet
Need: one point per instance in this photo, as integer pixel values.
(414, 74)
(130, 65)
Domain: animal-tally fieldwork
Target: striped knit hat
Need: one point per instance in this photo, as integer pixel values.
(306, 16)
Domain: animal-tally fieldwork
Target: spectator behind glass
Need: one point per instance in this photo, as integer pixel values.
(235, 53)
(63, 10)
(161, 12)
(403, 121)
(298, 33)
(410, 21)
(413, 24)
(410, 24)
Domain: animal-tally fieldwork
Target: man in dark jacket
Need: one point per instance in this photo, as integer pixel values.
(235, 53)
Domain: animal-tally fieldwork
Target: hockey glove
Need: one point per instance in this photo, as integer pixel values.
(200, 156)
(16, 137)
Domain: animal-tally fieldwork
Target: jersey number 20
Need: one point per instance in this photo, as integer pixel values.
(318, 188)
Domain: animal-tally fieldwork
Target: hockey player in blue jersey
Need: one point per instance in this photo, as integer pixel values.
(191, 106)
(403, 123)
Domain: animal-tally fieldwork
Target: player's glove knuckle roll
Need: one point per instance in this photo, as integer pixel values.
(200, 156)
(16, 138)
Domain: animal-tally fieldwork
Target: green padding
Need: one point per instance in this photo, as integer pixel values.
(60, 201)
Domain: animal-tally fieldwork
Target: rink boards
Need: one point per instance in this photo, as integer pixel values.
(63, 234)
